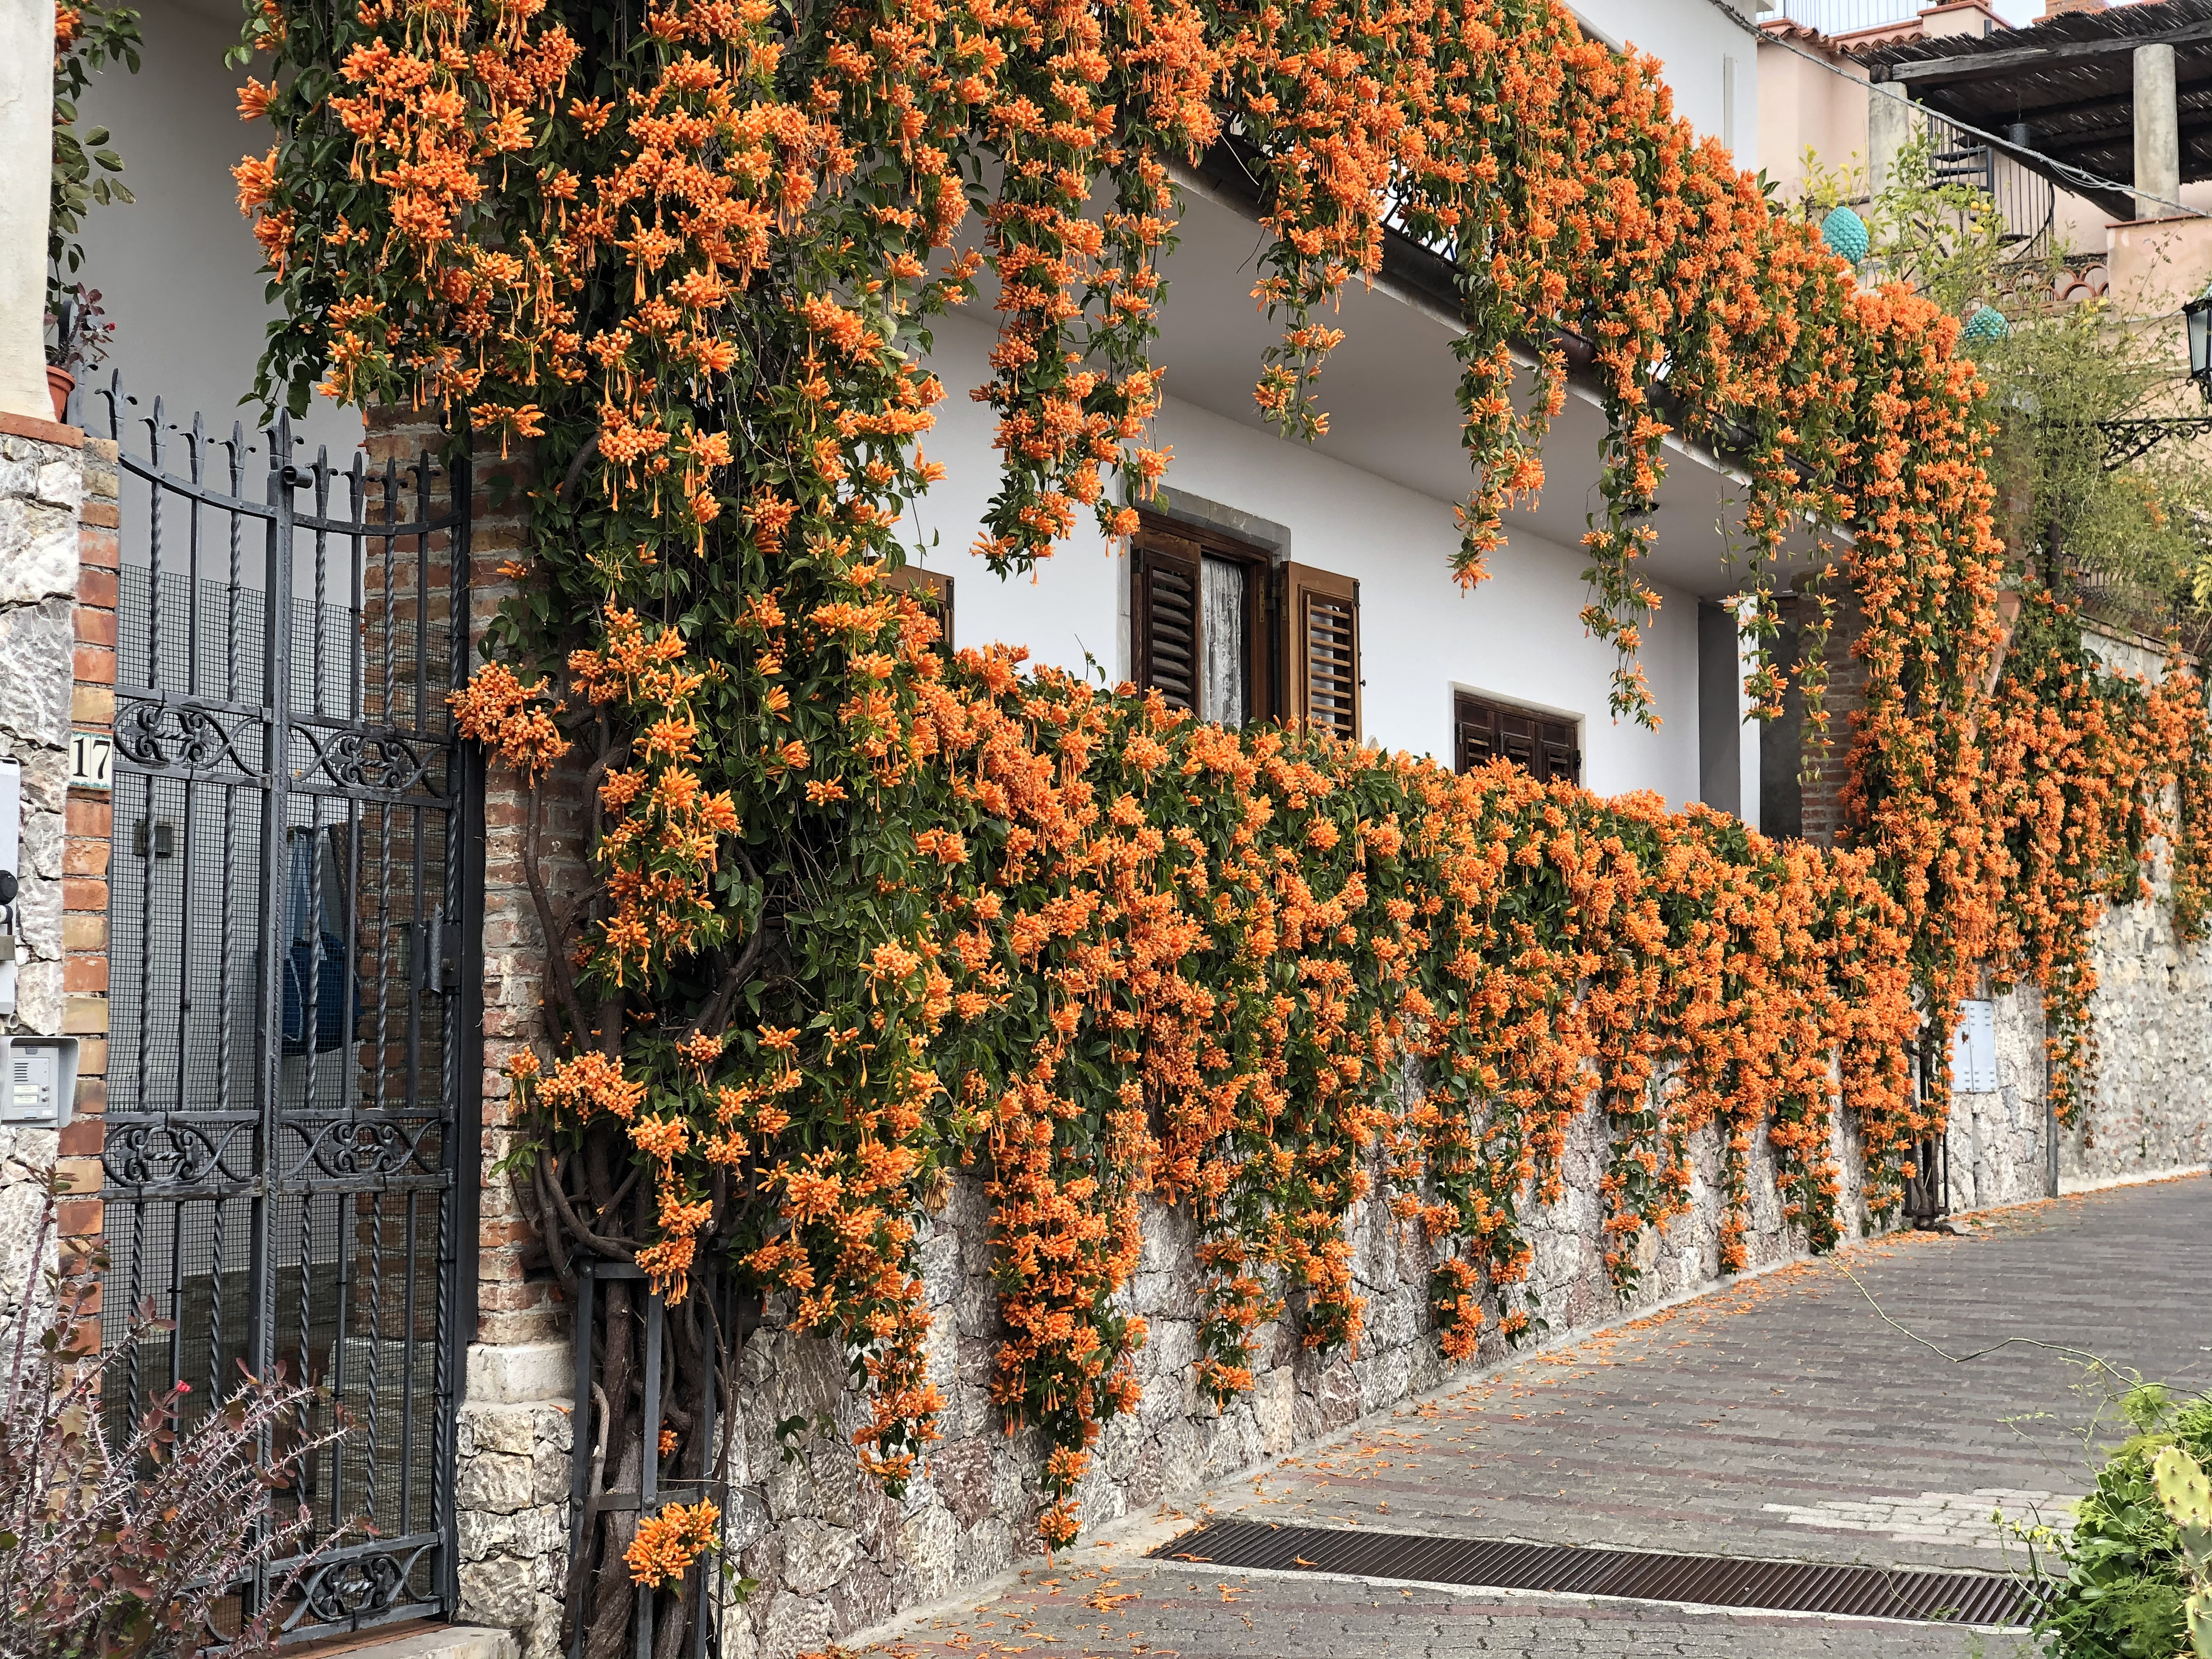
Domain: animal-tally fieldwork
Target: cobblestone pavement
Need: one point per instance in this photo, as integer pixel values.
(1785, 1417)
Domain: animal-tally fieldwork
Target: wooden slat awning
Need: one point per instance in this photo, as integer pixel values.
(2071, 80)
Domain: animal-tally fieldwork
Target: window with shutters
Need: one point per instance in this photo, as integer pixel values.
(1542, 745)
(1198, 620)
(934, 589)
(1221, 627)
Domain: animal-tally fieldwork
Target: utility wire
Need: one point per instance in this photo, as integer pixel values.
(2035, 160)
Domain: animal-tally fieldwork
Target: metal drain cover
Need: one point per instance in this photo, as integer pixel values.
(1950, 1598)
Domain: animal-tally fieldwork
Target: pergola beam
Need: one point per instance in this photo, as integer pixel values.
(1924, 73)
(2189, 82)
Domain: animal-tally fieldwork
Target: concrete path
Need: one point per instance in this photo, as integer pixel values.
(1786, 1419)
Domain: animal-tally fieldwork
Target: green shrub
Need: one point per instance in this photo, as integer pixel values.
(2127, 1582)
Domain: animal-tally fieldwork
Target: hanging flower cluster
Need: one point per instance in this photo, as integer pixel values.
(864, 914)
(2088, 771)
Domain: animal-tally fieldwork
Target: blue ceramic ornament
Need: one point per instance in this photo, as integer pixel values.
(1845, 234)
(1987, 323)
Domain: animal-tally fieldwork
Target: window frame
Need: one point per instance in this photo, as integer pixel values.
(1262, 693)
(1543, 745)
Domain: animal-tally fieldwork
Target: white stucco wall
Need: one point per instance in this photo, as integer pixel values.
(1691, 39)
(27, 131)
(179, 274)
(1517, 636)
(179, 270)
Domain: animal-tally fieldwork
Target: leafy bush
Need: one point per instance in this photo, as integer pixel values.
(110, 1551)
(2127, 1581)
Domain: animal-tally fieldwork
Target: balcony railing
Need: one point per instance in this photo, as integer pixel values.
(1841, 16)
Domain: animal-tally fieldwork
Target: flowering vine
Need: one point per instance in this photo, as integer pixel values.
(859, 915)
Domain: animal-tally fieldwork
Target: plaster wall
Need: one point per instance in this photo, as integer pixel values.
(1516, 636)
(179, 271)
(1803, 106)
(26, 142)
(1692, 38)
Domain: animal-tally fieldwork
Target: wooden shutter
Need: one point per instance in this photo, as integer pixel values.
(1476, 728)
(1166, 615)
(1483, 732)
(1321, 650)
(1517, 741)
(1563, 761)
(934, 589)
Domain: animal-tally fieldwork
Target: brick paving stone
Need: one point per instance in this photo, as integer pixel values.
(1782, 1418)
(1147, 1609)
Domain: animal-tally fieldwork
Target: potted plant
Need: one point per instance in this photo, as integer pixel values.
(80, 335)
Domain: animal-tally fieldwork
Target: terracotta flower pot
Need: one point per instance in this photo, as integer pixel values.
(60, 382)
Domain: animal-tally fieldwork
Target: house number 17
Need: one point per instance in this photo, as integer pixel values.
(92, 760)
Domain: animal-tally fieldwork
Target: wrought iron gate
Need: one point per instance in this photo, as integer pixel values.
(292, 1015)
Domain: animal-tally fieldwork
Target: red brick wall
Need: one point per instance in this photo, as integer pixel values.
(88, 827)
(514, 1292)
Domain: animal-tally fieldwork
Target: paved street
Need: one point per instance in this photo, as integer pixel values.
(1784, 1418)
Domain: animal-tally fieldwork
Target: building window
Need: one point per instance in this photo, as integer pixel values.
(1219, 627)
(1198, 621)
(1224, 672)
(1542, 745)
(934, 589)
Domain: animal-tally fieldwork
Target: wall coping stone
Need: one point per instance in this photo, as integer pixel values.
(45, 432)
(527, 1373)
(2069, 1185)
(444, 1642)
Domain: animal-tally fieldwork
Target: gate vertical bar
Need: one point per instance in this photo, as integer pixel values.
(274, 932)
(461, 1008)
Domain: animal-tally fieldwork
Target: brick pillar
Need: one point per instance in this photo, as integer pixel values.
(90, 823)
(513, 1481)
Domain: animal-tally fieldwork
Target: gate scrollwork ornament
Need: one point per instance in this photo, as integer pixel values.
(165, 736)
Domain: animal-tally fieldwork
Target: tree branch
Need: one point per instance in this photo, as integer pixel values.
(549, 1192)
(556, 955)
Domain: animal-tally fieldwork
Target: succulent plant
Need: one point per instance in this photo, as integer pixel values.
(2185, 1494)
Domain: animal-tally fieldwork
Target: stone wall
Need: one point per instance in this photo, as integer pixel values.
(2150, 1112)
(833, 1556)
(2153, 1107)
(58, 517)
(1999, 1141)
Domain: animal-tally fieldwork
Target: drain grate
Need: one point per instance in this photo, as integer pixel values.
(1956, 1598)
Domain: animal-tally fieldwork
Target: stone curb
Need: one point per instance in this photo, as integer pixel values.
(447, 1642)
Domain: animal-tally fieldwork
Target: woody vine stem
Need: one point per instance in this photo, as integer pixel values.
(859, 916)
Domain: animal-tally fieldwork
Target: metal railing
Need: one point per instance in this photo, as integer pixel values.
(2025, 201)
(289, 1048)
(1841, 16)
